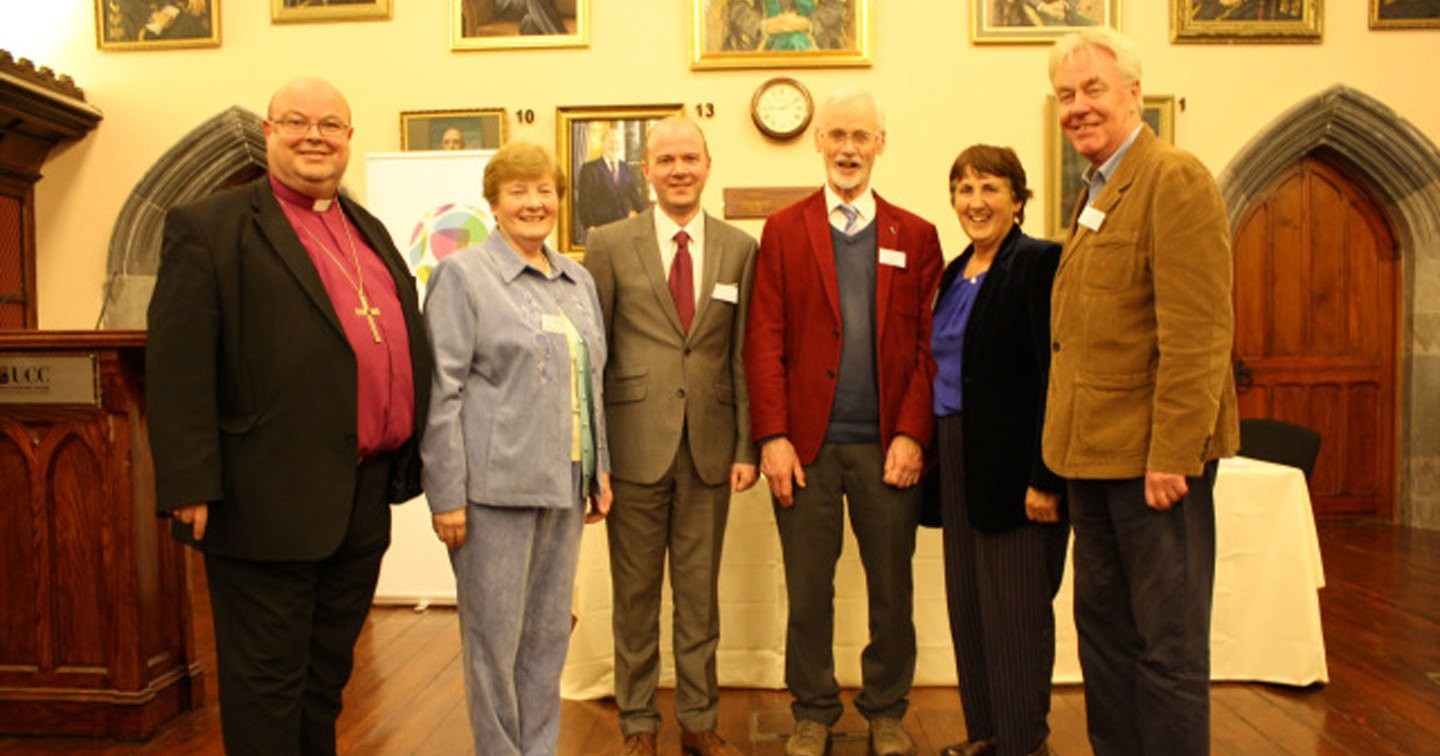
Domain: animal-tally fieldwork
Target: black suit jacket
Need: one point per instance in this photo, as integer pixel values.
(251, 383)
(601, 199)
(1003, 381)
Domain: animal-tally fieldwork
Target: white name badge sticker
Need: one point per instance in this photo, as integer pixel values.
(727, 292)
(552, 323)
(1091, 218)
(892, 257)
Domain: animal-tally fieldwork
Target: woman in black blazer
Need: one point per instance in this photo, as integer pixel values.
(1005, 530)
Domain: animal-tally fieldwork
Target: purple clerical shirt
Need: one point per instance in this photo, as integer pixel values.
(385, 383)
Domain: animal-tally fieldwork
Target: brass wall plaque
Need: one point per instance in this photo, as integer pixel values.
(742, 203)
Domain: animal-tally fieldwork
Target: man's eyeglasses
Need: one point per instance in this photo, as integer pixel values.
(858, 138)
(295, 125)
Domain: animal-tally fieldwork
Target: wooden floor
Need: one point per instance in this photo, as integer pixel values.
(1381, 613)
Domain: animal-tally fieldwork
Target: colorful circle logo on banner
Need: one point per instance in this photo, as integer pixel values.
(443, 231)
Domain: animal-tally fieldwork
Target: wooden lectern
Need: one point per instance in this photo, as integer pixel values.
(95, 631)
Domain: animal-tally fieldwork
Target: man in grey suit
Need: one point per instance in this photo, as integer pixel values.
(674, 285)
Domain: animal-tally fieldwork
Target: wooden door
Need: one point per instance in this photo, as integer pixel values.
(1316, 316)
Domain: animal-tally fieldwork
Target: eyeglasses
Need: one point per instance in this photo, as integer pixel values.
(295, 125)
(858, 138)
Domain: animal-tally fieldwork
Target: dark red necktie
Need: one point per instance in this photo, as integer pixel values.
(682, 281)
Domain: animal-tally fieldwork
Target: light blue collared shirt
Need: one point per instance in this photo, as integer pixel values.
(1095, 178)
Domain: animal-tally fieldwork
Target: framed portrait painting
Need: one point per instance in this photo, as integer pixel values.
(779, 33)
(1037, 21)
(1405, 14)
(601, 151)
(286, 11)
(452, 129)
(512, 24)
(1231, 21)
(152, 25)
(1065, 165)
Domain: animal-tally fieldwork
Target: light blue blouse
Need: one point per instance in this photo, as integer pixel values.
(500, 424)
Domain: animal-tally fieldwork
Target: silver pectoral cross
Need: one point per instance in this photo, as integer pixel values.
(369, 313)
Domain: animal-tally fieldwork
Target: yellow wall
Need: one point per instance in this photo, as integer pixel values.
(941, 93)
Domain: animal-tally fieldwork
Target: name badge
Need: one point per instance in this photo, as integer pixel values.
(892, 257)
(1091, 218)
(727, 292)
(552, 323)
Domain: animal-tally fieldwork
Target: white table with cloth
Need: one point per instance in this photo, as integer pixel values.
(1265, 626)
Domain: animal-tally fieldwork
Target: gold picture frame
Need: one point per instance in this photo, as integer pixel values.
(480, 129)
(1404, 14)
(1245, 21)
(476, 25)
(599, 194)
(1015, 22)
(135, 25)
(1064, 165)
(303, 11)
(727, 34)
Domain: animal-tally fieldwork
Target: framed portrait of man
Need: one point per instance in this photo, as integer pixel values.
(1405, 14)
(1062, 180)
(1037, 21)
(156, 24)
(511, 24)
(601, 151)
(286, 11)
(1231, 21)
(779, 33)
(452, 129)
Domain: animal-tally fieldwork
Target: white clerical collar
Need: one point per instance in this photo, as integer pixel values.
(300, 200)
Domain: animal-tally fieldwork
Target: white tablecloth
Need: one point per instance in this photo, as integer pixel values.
(1265, 625)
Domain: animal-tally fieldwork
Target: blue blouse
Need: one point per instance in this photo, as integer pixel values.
(947, 342)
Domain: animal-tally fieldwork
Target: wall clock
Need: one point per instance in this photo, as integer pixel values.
(781, 108)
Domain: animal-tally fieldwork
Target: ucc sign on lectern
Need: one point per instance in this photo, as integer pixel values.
(48, 379)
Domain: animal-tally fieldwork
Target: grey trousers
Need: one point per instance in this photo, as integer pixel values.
(1000, 588)
(515, 574)
(681, 516)
(1143, 585)
(811, 535)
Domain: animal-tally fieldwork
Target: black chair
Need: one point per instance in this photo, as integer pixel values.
(1280, 442)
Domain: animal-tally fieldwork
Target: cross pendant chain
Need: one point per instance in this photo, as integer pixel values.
(358, 281)
(369, 313)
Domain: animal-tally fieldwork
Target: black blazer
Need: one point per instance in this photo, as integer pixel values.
(1004, 380)
(251, 383)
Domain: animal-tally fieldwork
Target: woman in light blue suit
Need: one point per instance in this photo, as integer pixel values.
(515, 448)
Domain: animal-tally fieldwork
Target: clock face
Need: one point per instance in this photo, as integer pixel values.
(782, 108)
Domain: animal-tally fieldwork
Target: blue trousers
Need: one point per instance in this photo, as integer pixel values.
(515, 574)
(1143, 585)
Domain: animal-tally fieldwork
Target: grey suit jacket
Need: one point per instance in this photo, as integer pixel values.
(660, 380)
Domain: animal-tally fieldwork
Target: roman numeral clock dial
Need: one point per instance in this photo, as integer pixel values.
(781, 108)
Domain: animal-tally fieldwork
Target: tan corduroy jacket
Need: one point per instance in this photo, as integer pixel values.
(1142, 325)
